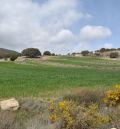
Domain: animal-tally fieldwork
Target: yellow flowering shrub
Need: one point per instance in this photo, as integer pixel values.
(112, 97)
(53, 113)
(52, 118)
(61, 112)
(66, 115)
(73, 116)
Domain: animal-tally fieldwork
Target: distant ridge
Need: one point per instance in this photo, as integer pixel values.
(6, 53)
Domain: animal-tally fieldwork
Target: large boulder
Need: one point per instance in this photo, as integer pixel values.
(10, 104)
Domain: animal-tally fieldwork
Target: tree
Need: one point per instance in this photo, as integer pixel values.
(118, 49)
(31, 52)
(14, 57)
(47, 53)
(53, 54)
(114, 55)
(85, 53)
(102, 50)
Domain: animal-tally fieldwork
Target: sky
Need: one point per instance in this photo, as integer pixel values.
(60, 26)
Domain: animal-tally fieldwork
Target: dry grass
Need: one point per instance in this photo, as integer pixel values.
(86, 96)
(33, 114)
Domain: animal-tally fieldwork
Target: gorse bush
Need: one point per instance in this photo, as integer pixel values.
(61, 112)
(112, 97)
(89, 117)
(73, 116)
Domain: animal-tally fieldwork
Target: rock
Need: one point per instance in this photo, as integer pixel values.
(9, 104)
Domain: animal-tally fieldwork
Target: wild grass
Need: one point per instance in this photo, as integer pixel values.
(86, 111)
(32, 114)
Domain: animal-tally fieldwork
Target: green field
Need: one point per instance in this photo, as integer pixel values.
(37, 78)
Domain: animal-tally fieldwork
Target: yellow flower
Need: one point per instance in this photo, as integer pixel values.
(53, 117)
(62, 105)
(117, 86)
(113, 96)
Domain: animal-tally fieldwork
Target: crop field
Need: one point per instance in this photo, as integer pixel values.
(43, 77)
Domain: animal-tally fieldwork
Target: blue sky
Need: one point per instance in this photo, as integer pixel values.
(59, 26)
(104, 13)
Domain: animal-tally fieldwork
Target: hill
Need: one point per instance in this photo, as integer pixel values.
(6, 53)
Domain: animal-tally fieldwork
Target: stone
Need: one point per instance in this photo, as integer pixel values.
(10, 104)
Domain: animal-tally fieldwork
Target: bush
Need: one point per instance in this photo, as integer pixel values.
(114, 55)
(85, 96)
(112, 97)
(90, 118)
(47, 53)
(13, 57)
(31, 52)
(73, 116)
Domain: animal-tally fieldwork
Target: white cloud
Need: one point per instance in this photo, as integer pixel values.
(63, 36)
(89, 34)
(46, 25)
(94, 32)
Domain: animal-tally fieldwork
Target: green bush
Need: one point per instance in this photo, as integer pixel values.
(13, 57)
(31, 52)
(114, 55)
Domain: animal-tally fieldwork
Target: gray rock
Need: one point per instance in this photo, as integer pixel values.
(9, 104)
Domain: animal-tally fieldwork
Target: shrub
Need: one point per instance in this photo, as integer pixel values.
(61, 112)
(47, 53)
(31, 52)
(13, 57)
(85, 96)
(112, 97)
(73, 116)
(114, 55)
(90, 118)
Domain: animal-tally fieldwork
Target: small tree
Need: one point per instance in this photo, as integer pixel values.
(102, 50)
(53, 54)
(114, 55)
(47, 53)
(85, 53)
(31, 52)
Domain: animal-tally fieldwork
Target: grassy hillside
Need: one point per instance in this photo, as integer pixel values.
(6, 53)
(41, 77)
